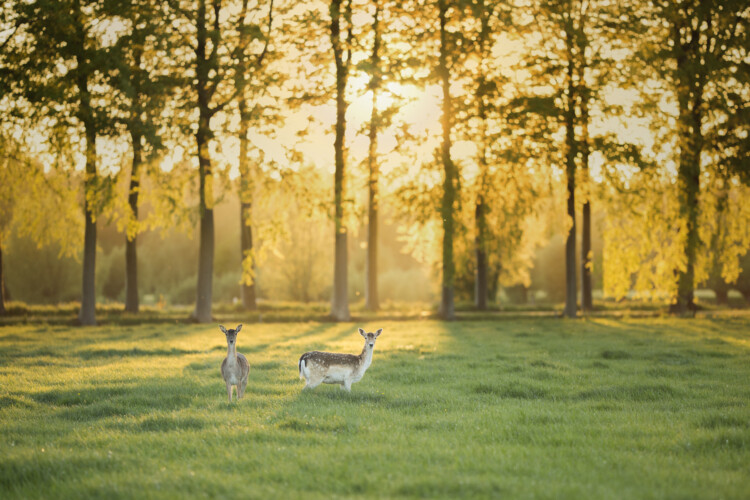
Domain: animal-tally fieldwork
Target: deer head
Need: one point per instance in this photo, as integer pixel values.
(370, 337)
(231, 334)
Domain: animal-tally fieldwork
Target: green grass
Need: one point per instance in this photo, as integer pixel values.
(528, 408)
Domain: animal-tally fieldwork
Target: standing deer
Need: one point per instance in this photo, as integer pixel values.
(333, 368)
(235, 367)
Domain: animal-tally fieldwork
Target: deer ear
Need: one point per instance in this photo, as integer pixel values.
(362, 332)
(377, 334)
(239, 327)
(221, 327)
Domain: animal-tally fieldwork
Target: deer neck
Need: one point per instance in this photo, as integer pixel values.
(365, 358)
(232, 353)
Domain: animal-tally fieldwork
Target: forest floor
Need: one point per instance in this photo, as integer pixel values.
(19, 313)
(540, 407)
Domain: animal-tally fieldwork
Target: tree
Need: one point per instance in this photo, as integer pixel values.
(248, 68)
(373, 197)
(342, 56)
(450, 179)
(696, 47)
(27, 196)
(143, 86)
(209, 40)
(554, 59)
(54, 60)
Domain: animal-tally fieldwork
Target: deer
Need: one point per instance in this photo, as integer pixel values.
(235, 367)
(318, 367)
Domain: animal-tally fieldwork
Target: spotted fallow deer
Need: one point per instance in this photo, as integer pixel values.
(334, 368)
(235, 367)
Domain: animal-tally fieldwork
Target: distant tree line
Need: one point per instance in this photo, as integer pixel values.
(538, 103)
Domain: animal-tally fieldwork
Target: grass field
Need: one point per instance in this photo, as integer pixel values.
(525, 408)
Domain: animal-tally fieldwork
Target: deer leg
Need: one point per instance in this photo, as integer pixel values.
(241, 388)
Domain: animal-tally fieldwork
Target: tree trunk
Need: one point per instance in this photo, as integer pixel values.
(722, 295)
(249, 299)
(340, 299)
(447, 307)
(131, 259)
(587, 300)
(571, 307)
(715, 280)
(131, 244)
(371, 272)
(480, 239)
(2, 283)
(247, 291)
(690, 98)
(87, 315)
(204, 290)
(246, 196)
(480, 285)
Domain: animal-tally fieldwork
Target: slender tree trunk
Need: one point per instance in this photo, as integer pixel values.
(246, 230)
(131, 258)
(2, 283)
(571, 307)
(131, 243)
(690, 98)
(719, 286)
(247, 291)
(480, 286)
(246, 197)
(204, 291)
(340, 299)
(587, 300)
(447, 307)
(480, 240)
(371, 273)
(87, 315)
(722, 294)
(249, 299)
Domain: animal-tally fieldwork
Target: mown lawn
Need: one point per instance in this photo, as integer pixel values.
(526, 408)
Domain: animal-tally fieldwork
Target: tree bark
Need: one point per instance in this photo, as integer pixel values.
(571, 307)
(587, 300)
(480, 217)
(690, 99)
(722, 295)
(715, 280)
(204, 291)
(480, 287)
(447, 307)
(131, 258)
(247, 292)
(249, 299)
(87, 315)
(340, 299)
(131, 244)
(371, 272)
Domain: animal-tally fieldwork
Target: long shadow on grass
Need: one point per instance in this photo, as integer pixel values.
(91, 404)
